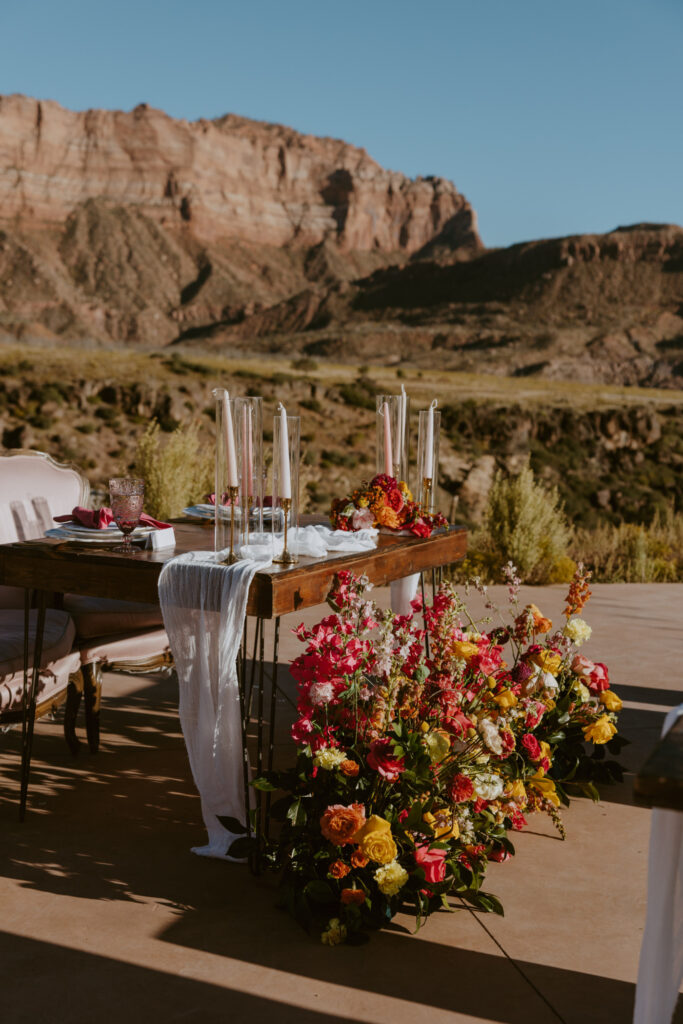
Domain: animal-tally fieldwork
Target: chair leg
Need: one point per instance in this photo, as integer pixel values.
(92, 692)
(30, 707)
(73, 703)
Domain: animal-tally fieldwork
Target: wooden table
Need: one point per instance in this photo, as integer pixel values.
(659, 783)
(62, 567)
(49, 566)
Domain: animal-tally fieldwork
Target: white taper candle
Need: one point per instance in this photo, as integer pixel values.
(285, 481)
(429, 443)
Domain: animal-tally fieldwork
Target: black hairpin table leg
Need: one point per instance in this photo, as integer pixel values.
(271, 723)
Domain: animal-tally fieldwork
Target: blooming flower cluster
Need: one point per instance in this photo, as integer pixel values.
(384, 502)
(414, 768)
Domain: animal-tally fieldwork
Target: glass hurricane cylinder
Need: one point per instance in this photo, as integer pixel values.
(428, 458)
(398, 435)
(226, 486)
(286, 498)
(248, 420)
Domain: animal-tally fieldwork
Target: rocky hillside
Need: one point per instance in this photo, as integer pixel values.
(614, 453)
(136, 227)
(597, 308)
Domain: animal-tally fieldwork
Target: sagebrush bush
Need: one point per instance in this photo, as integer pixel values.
(524, 523)
(632, 553)
(177, 471)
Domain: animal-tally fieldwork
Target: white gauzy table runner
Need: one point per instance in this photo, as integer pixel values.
(660, 970)
(203, 604)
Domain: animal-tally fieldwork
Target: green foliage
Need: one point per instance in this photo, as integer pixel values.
(305, 363)
(630, 553)
(360, 394)
(524, 523)
(176, 473)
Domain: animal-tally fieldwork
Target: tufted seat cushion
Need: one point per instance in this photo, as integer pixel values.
(58, 659)
(101, 616)
(135, 647)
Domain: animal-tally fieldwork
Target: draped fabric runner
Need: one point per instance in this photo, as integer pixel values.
(204, 605)
(660, 970)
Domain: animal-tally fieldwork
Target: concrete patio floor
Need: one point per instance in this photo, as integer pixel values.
(106, 916)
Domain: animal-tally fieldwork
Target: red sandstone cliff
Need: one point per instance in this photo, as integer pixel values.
(231, 177)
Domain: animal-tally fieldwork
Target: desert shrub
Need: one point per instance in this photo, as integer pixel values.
(305, 363)
(524, 523)
(176, 472)
(632, 553)
(312, 404)
(360, 394)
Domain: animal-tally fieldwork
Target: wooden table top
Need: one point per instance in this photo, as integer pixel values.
(659, 783)
(66, 567)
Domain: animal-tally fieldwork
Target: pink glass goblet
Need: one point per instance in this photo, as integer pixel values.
(127, 495)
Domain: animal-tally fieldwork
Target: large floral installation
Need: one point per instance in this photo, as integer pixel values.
(422, 742)
(387, 503)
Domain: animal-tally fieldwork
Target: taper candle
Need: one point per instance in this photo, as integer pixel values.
(285, 481)
(229, 433)
(388, 453)
(429, 444)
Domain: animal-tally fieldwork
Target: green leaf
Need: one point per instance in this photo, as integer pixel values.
(264, 785)
(241, 847)
(319, 892)
(297, 813)
(232, 824)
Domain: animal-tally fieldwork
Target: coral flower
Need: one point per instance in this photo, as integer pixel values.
(338, 869)
(433, 862)
(339, 824)
(350, 768)
(358, 859)
(352, 896)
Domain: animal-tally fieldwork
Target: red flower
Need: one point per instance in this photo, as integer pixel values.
(531, 745)
(433, 862)
(419, 528)
(395, 500)
(381, 758)
(461, 789)
(499, 854)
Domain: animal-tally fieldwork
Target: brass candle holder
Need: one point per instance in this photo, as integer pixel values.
(233, 493)
(286, 558)
(427, 494)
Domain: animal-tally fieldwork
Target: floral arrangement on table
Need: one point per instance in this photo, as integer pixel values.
(384, 502)
(413, 768)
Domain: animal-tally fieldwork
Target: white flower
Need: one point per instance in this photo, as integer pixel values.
(490, 735)
(320, 693)
(488, 786)
(540, 680)
(578, 631)
(329, 758)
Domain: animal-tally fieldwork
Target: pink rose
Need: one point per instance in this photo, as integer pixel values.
(531, 745)
(362, 519)
(594, 674)
(433, 862)
(381, 758)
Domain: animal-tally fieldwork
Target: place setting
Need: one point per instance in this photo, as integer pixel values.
(118, 527)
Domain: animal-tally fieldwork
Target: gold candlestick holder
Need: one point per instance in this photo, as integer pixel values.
(286, 558)
(233, 493)
(427, 494)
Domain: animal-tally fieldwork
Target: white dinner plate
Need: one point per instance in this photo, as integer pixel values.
(97, 536)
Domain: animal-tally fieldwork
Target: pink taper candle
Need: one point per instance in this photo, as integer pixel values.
(388, 454)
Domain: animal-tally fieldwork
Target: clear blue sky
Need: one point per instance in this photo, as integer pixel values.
(552, 116)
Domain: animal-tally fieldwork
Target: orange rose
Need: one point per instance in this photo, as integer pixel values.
(339, 869)
(350, 768)
(358, 859)
(387, 517)
(540, 623)
(339, 824)
(352, 896)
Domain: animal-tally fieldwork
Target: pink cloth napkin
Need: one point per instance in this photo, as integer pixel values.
(100, 518)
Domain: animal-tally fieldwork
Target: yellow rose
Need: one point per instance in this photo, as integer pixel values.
(376, 841)
(516, 791)
(546, 787)
(600, 731)
(547, 661)
(545, 751)
(610, 700)
(464, 649)
(505, 699)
